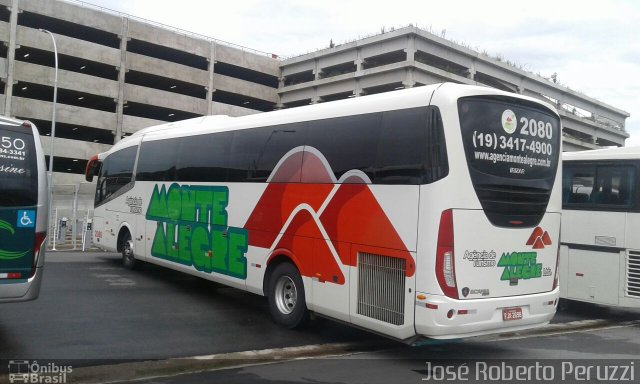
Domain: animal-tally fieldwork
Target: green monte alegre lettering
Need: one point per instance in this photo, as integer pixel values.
(520, 265)
(192, 229)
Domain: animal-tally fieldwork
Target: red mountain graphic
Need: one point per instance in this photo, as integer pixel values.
(352, 218)
(305, 241)
(539, 238)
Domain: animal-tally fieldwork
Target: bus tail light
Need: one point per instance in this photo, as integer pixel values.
(555, 276)
(445, 265)
(10, 275)
(37, 247)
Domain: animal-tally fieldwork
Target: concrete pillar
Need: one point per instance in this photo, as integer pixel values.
(315, 99)
(472, 70)
(212, 64)
(520, 87)
(409, 82)
(411, 48)
(316, 70)
(122, 71)
(358, 89)
(11, 56)
(280, 105)
(358, 62)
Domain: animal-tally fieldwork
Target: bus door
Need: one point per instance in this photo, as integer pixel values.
(140, 237)
(331, 278)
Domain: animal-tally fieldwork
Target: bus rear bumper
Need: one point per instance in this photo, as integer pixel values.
(441, 317)
(22, 291)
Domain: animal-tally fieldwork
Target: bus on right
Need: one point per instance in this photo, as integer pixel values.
(600, 237)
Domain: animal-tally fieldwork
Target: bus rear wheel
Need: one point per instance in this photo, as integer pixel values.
(128, 258)
(287, 303)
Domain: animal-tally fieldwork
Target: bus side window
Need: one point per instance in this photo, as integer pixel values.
(411, 148)
(614, 185)
(157, 160)
(603, 194)
(578, 184)
(625, 186)
(281, 139)
(348, 143)
(246, 149)
(204, 158)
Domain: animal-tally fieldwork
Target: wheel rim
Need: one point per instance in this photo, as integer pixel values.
(286, 295)
(127, 252)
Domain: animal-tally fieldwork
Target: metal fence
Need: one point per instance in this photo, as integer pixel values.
(71, 217)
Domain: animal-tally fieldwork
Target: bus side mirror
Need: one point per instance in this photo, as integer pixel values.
(92, 169)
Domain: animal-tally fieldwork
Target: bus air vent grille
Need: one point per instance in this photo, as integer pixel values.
(633, 273)
(381, 287)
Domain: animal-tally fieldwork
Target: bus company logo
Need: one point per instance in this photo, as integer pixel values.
(509, 121)
(24, 371)
(192, 229)
(481, 259)
(519, 265)
(466, 291)
(134, 204)
(539, 239)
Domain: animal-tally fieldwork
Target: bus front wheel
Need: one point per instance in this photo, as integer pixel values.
(287, 303)
(128, 259)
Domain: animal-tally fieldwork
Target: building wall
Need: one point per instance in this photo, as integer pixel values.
(410, 57)
(118, 74)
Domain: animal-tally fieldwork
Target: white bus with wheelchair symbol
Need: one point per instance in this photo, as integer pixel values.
(23, 210)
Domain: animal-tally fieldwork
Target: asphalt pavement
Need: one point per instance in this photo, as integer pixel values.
(91, 308)
(114, 325)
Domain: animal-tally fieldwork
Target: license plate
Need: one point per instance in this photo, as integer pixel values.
(512, 314)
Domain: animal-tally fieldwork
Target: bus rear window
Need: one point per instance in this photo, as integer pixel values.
(512, 147)
(18, 167)
(507, 139)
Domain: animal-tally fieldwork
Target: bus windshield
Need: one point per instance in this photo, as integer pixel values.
(18, 168)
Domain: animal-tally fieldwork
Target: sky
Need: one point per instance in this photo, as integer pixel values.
(593, 46)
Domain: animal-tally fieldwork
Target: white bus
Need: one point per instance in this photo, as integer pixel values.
(432, 211)
(600, 246)
(23, 210)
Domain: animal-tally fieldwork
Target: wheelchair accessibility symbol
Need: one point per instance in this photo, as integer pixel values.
(26, 219)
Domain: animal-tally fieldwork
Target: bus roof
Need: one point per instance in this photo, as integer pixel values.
(401, 99)
(604, 154)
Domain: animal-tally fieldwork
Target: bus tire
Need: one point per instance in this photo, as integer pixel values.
(128, 258)
(287, 303)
